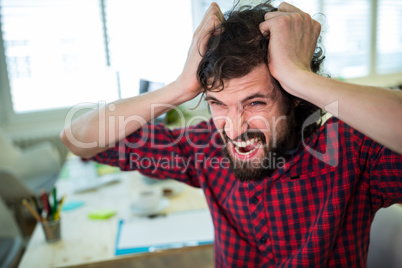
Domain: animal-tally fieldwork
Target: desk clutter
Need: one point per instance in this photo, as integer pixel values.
(97, 219)
(46, 211)
(87, 175)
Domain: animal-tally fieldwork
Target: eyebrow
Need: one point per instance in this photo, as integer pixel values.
(254, 96)
(207, 98)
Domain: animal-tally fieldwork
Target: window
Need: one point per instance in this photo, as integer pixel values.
(346, 34)
(347, 39)
(55, 54)
(61, 53)
(349, 29)
(389, 36)
(147, 40)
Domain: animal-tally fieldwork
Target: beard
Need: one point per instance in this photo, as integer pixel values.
(273, 158)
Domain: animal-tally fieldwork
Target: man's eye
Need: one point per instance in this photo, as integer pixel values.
(216, 103)
(256, 103)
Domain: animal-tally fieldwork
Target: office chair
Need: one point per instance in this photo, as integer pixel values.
(24, 172)
(10, 238)
(385, 248)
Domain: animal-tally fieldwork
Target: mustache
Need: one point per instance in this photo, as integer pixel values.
(249, 134)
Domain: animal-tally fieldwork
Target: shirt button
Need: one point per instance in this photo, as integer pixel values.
(263, 240)
(254, 200)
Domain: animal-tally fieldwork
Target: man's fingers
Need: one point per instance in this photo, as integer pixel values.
(265, 26)
(210, 26)
(217, 23)
(271, 15)
(293, 13)
(220, 14)
(213, 19)
(214, 9)
(283, 9)
(212, 14)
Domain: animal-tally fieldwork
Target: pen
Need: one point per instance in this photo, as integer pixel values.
(32, 211)
(35, 205)
(45, 203)
(54, 202)
(57, 214)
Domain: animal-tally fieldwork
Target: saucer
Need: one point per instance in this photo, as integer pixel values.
(163, 204)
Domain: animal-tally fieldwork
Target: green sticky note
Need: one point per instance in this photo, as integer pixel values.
(101, 214)
(103, 169)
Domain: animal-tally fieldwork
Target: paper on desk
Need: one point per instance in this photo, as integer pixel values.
(174, 230)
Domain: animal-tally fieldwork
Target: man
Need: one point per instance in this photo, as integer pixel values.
(292, 193)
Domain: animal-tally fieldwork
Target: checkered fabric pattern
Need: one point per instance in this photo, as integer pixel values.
(307, 214)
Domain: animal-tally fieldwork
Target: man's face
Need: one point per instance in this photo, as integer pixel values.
(249, 114)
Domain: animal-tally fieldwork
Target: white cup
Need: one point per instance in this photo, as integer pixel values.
(148, 199)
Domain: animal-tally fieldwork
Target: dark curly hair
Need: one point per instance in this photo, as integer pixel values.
(240, 48)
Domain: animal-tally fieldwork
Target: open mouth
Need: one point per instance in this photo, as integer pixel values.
(246, 148)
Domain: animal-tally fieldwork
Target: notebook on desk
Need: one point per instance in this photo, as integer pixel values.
(175, 230)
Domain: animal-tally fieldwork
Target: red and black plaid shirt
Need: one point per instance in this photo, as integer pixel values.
(309, 213)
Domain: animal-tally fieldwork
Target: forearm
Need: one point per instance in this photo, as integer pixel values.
(97, 131)
(376, 112)
(100, 129)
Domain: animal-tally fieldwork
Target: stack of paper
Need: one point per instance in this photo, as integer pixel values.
(176, 230)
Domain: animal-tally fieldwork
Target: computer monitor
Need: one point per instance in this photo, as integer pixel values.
(148, 86)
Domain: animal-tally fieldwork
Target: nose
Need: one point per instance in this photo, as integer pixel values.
(235, 124)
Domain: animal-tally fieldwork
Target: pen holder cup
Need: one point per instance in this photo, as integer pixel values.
(52, 230)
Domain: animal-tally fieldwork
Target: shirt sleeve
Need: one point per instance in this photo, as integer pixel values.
(384, 170)
(159, 152)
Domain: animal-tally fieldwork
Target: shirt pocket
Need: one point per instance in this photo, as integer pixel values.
(304, 209)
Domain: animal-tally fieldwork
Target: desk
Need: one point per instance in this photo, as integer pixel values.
(86, 241)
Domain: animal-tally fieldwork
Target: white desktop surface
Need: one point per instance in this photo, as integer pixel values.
(86, 241)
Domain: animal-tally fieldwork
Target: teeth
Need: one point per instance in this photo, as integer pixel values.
(249, 142)
(245, 143)
(242, 144)
(247, 153)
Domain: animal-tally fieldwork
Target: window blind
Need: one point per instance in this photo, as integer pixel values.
(347, 40)
(55, 54)
(389, 36)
